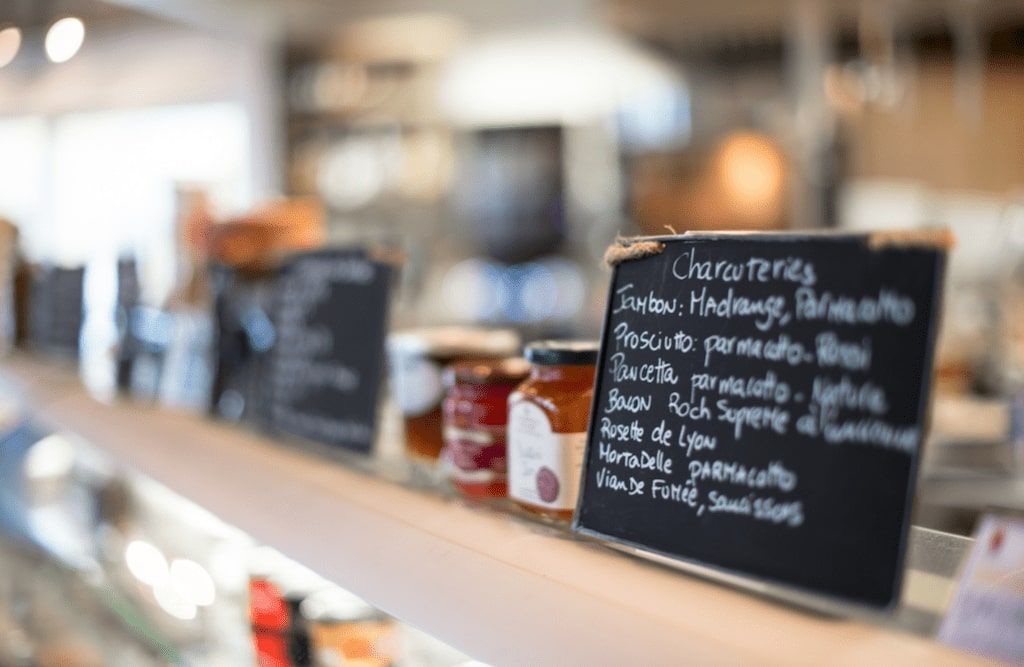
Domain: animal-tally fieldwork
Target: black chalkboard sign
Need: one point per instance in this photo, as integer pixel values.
(328, 357)
(55, 309)
(760, 403)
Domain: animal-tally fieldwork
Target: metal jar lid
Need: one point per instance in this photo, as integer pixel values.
(562, 352)
(508, 371)
(451, 342)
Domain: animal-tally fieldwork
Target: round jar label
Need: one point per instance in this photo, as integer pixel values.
(543, 466)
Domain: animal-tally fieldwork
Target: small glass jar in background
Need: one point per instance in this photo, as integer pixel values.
(547, 427)
(417, 358)
(345, 630)
(475, 418)
(278, 636)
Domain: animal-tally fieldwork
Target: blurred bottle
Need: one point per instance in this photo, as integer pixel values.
(345, 630)
(270, 619)
(127, 301)
(180, 333)
(280, 638)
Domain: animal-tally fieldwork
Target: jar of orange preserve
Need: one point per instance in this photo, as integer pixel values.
(547, 427)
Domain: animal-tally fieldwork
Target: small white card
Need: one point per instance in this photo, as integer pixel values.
(987, 613)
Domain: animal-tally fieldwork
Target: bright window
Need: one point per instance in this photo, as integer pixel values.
(97, 185)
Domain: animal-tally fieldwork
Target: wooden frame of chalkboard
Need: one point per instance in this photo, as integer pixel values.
(768, 424)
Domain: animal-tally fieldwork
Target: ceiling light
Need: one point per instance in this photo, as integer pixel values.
(64, 38)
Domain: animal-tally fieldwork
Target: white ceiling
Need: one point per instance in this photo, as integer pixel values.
(665, 21)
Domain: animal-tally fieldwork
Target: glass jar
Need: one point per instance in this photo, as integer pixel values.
(417, 358)
(547, 427)
(345, 630)
(271, 622)
(475, 418)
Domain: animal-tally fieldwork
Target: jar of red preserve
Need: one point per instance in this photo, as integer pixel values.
(475, 419)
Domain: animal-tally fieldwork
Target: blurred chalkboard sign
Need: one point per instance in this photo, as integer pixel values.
(331, 320)
(243, 338)
(55, 309)
(760, 404)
